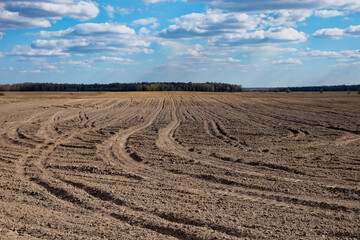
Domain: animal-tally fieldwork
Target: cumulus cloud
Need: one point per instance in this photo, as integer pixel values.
(92, 63)
(289, 61)
(210, 23)
(27, 51)
(112, 38)
(156, 1)
(337, 33)
(80, 10)
(90, 29)
(331, 33)
(226, 45)
(286, 18)
(328, 13)
(40, 13)
(199, 63)
(31, 71)
(345, 65)
(48, 66)
(272, 35)
(85, 39)
(110, 10)
(353, 31)
(238, 29)
(273, 5)
(13, 20)
(124, 11)
(116, 60)
(251, 15)
(266, 49)
(146, 21)
(343, 56)
(78, 64)
(198, 58)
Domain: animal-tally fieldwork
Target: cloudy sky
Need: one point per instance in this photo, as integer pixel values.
(256, 43)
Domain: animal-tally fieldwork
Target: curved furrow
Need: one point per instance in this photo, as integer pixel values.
(180, 166)
(293, 132)
(107, 197)
(181, 220)
(61, 190)
(192, 225)
(166, 143)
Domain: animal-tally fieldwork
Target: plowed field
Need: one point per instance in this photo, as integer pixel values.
(179, 166)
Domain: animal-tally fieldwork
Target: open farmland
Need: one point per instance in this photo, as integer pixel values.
(179, 166)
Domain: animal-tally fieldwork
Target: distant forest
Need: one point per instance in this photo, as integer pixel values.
(169, 86)
(124, 87)
(337, 88)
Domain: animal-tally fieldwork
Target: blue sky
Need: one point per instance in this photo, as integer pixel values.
(262, 43)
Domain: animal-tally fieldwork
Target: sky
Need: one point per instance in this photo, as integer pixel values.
(255, 43)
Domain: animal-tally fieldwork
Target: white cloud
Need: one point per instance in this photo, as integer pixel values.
(58, 43)
(146, 21)
(353, 31)
(93, 62)
(27, 51)
(31, 71)
(344, 65)
(337, 33)
(289, 61)
(266, 49)
(144, 31)
(332, 33)
(197, 58)
(49, 67)
(80, 10)
(286, 18)
(124, 11)
(343, 56)
(328, 13)
(225, 49)
(37, 13)
(97, 38)
(112, 60)
(89, 29)
(210, 23)
(81, 64)
(110, 10)
(228, 31)
(245, 16)
(226, 60)
(273, 5)
(154, 1)
(13, 20)
(271, 36)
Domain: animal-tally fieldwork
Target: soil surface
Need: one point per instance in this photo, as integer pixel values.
(179, 166)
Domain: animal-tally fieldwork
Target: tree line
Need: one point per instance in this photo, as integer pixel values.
(336, 88)
(124, 87)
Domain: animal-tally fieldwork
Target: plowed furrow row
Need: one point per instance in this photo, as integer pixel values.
(180, 166)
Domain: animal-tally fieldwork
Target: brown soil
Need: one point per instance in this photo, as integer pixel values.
(179, 166)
